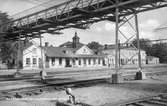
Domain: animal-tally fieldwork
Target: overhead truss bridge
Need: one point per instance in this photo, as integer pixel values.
(75, 14)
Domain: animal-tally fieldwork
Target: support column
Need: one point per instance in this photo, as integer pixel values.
(117, 78)
(139, 75)
(16, 74)
(116, 41)
(42, 59)
(138, 42)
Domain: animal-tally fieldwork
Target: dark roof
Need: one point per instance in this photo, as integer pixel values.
(150, 57)
(66, 52)
(58, 52)
(70, 45)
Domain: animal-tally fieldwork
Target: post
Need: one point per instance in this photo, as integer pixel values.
(139, 75)
(116, 40)
(18, 55)
(43, 74)
(138, 42)
(16, 74)
(42, 59)
(117, 78)
(119, 49)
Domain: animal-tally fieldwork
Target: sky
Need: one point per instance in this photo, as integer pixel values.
(102, 32)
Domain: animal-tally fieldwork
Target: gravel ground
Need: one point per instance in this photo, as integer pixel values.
(100, 94)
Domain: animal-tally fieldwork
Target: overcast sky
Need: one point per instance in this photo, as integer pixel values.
(102, 32)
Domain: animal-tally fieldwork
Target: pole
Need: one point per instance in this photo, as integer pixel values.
(138, 42)
(42, 65)
(119, 52)
(18, 55)
(116, 40)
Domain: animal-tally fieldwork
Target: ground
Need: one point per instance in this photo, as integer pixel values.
(100, 94)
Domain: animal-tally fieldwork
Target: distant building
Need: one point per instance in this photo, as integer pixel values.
(127, 56)
(74, 54)
(152, 60)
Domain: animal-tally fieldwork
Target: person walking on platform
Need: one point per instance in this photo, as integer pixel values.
(43, 75)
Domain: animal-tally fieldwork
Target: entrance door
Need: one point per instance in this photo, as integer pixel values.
(68, 63)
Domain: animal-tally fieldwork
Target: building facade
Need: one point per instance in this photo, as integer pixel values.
(127, 56)
(60, 57)
(152, 60)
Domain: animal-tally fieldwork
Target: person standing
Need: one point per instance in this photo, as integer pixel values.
(43, 75)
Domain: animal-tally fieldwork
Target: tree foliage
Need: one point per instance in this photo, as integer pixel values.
(8, 49)
(94, 45)
(145, 44)
(157, 50)
(160, 50)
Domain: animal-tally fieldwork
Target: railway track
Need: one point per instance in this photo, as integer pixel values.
(158, 100)
(37, 90)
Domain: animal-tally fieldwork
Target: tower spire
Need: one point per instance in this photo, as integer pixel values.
(75, 40)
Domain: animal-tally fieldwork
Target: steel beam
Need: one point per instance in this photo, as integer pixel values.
(116, 40)
(138, 41)
(63, 13)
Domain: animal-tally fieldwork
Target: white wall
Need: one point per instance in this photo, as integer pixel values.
(31, 52)
(125, 54)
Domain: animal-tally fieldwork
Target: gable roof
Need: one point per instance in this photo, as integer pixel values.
(69, 44)
(58, 52)
(66, 52)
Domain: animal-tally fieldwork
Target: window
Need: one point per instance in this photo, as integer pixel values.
(89, 61)
(73, 61)
(94, 61)
(84, 61)
(98, 61)
(27, 61)
(64, 51)
(79, 62)
(34, 61)
(60, 61)
(53, 61)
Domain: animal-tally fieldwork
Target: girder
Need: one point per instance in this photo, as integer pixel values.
(76, 13)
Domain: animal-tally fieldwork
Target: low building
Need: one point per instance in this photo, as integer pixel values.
(127, 56)
(152, 60)
(76, 55)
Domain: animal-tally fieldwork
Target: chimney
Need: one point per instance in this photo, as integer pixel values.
(46, 44)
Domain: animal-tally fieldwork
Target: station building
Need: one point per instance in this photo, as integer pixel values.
(69, 54)
(152, 60)
(75, 54)
(127, 55)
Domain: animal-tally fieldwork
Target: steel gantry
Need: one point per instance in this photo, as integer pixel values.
(78, 14)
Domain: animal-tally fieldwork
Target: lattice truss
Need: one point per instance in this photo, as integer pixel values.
(127, 32)
(73, 14)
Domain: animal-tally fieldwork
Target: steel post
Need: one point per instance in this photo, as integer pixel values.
(42, 59)
(116, 39)
(18, 55)
(138, 42)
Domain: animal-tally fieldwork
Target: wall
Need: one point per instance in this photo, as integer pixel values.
(32, 52)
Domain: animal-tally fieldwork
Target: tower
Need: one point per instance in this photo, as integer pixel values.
(75, 40)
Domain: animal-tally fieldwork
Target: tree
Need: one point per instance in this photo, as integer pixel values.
(94, 46)
(145, 44)
(8, 53)
(159, 50)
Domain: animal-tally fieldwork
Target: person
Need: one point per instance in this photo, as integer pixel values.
(43, 75)
(71, 96)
